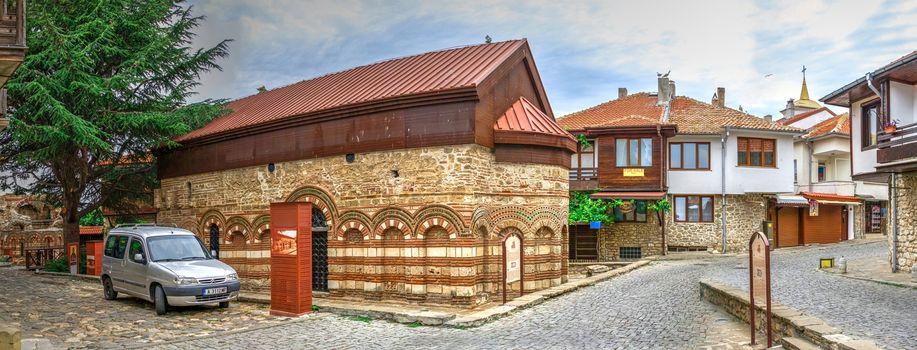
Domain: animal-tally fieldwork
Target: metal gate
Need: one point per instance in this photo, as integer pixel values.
(319, 251)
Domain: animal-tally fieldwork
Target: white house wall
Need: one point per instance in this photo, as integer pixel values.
(739, 180)
(864, 162)
(903, 102)
(811, 120)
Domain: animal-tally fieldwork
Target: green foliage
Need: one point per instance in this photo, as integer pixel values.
(93, 218)
(103, 84)
(585, 209)
(415, 324)
(57, 265)
(583, 141)
(5, 258)
(661, 205)
(314, 308)
(361, 318)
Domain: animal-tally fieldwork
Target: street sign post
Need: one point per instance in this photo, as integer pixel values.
(759, 283)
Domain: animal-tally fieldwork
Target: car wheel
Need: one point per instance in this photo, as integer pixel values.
(224, 304)
(108, 290)
(159, 299)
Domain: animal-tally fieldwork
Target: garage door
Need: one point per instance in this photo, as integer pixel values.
(788, 227)
(827, 227)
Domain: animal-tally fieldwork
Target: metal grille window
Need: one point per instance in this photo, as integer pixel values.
(629, 253)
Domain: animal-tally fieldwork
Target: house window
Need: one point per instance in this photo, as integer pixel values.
(624, 213)
(870, 122)
(585, 158)
(634, 152)
(693, 208)
(821, 171)
(756, 152)
(689, 155)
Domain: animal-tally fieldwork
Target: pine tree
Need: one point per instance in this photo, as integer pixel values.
(104, 83)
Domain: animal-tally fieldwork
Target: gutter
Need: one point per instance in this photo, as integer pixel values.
(723, 140)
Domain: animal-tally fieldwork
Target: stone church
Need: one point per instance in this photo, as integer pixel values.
(417, 168)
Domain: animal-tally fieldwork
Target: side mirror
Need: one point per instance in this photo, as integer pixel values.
(139, 258)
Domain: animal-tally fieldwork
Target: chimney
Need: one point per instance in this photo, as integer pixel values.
(663, 93)
(622, 92)
(721, 97)
(671, 90)
(769, 118)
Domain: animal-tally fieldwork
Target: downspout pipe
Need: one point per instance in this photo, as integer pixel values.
(723, 141)
(809, 149)
(893, 191)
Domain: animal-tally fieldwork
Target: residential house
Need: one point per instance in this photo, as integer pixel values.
(715, 165)
(887, 97)
(829, 206)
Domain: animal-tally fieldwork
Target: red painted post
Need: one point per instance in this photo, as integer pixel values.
(291, 259)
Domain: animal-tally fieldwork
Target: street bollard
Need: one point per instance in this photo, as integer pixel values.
(842, 265)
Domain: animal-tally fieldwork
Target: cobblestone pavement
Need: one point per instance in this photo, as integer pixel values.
(655, 307)
(72, 314)
(885, 313)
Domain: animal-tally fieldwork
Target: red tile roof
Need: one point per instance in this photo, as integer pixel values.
(426, 73)
(523, 116)
(689, 115)
(639, 109)
(91, 230)
(801, 116)
(830, 197)
(839, 124)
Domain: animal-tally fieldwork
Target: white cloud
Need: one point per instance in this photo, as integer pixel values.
(705, 43)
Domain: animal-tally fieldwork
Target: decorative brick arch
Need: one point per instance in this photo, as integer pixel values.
(352, 223)
(210, 217)
(506, 231)
(393, 223)
(394, 213)
(237, 224)
(319, 198)
(481, 225)
(259, 224)
(438, 215)
(550, 218)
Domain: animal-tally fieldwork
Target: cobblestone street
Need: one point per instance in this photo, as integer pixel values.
(654, 307)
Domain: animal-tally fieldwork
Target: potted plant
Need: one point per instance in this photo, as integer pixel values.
(891, 126)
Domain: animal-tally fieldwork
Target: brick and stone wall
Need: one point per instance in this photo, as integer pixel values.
(859, 221)
(646, 235)
(906, 187)
(744, 214)
(421, 224)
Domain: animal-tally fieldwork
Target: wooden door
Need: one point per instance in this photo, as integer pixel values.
(787, 227)
(584, 243)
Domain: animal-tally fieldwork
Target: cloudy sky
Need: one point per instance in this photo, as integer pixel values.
(584, 50)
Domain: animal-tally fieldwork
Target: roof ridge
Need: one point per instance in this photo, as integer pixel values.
(606, 103)
(453, 48)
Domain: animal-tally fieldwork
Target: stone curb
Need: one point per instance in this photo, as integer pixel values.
(482, 317)
(89, 278)
(874, 280)
(787, 322)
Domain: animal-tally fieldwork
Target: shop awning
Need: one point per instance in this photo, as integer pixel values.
(791, 200)
(827, 198)
(628, 195)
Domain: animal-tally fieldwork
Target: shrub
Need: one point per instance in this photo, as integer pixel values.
(57, 265)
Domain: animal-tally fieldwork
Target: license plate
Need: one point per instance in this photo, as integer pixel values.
(215, 291)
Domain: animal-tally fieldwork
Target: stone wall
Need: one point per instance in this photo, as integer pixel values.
(744, 214)
(859, 221)
(422, 224)
(646, 235)
(906, 187)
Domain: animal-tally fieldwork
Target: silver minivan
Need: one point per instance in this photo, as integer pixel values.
(165, 265)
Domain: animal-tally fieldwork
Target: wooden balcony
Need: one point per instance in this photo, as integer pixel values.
(899, 146)
(583, 174)
(12, 37)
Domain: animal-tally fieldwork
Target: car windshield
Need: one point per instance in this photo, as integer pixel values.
(177, 248)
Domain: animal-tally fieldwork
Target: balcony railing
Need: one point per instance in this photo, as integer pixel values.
(12, 23)
(897, 146)
(584, 174)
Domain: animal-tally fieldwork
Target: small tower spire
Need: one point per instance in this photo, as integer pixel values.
(804, 94)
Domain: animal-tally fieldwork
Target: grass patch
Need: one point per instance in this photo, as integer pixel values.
(314, 308)
(415, 324)
(361, 318)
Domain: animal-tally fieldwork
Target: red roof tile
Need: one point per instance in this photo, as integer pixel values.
(801, 116)
(425, 73)
(838, 125)
(523, 116)
(689, 115)
(830, 197)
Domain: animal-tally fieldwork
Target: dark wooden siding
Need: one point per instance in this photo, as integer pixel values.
(532, 154)
(612, 177)
(435, 125)
(509, 82)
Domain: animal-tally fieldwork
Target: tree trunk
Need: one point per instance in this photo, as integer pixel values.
(71, 225)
